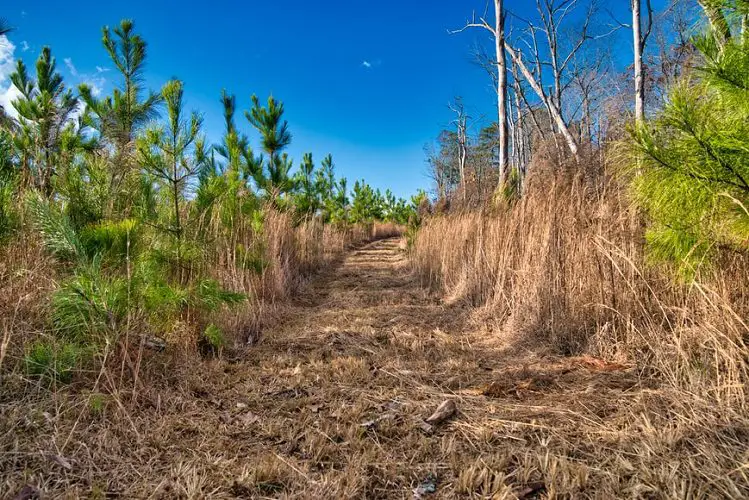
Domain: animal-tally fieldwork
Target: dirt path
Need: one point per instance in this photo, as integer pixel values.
(331, 402)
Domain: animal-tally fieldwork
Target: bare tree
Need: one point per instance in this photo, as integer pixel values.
(675, 48)
(640, 39)
(589, 78)
(499, 38)
(497, 31)
(442, 158)
(554, 111)
(520, 92)
(562, 47)
(553, 14)
(436, 170)
(519, 135)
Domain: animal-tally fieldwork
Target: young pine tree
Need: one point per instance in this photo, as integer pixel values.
(45, 110)
(692, 174)
(116, 120)
(307, 200)
(174, 154)
(272, 175)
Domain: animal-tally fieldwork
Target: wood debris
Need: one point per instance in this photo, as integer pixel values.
(443, 412)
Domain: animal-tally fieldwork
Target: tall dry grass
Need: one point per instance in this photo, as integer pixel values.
(565, 268)
(27, 277)
(290, 254)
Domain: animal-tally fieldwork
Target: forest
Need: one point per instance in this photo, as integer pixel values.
(561, 312)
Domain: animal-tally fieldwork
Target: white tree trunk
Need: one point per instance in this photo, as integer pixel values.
(499, 38)
(520, 164)
(556, 115)
(462, 143)
(639, 77)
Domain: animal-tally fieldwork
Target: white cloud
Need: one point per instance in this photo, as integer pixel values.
(8, 92)
(79, 110)
(96, 83)
(7, 61)
(366, 64)
(24, 46)
(71, 67)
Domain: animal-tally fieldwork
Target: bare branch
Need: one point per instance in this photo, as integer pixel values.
(649, 28)
(551, 106)
(473, 23)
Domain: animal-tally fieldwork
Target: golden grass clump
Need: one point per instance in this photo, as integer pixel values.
(565, 268)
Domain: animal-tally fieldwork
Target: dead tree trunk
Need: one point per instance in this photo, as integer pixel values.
(520, 131)
(554, 111)
(497, 31)
(640, 38)
(461, 123)
(499, 38)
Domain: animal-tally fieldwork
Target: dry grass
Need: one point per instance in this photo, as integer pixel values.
(578, 372)
(27, 277)
(291, 254)
(330, 404)
(563, 272)
(118, 391)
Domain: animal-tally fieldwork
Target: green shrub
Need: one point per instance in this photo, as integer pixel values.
(110, 238)
(8, 216)
(214, 338)
(89, 306)
(97, 404)
(56, 229)
(53, 361)
(252, 259)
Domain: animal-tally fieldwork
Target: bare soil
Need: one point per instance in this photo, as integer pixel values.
(331, 402)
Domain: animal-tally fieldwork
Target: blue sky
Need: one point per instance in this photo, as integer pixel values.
(366, 81)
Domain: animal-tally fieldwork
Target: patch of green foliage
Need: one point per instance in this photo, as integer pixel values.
(215, 339)
(97, 403)
(691, 161)
(8, 180)
(420, 206)
(54, 361)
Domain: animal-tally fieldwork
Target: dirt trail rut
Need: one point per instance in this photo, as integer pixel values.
(333, 399)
